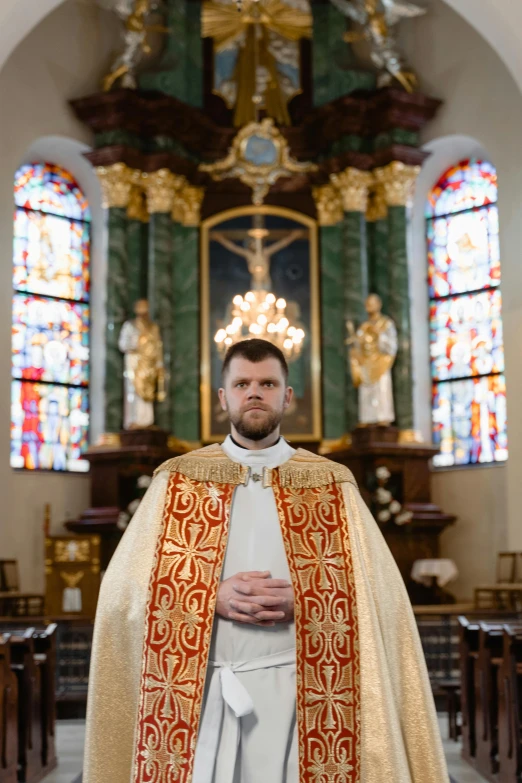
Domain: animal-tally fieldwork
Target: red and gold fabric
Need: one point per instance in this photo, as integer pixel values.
(364, 706)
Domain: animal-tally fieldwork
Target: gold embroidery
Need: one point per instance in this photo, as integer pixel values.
(181, 604)
(315, 532)
(304, 470)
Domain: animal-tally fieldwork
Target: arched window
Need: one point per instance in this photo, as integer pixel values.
(50, 339)
(467, 354)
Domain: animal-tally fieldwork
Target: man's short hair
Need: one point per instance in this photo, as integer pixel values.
(254, 350)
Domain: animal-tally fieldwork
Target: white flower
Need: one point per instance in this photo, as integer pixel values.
(395, 506)
(404, 518)
(133, 506)
(383, 516)
(123, 520)
(383, 495)
(144, 482)
(383, 473)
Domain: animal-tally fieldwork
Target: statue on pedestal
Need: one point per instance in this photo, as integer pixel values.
(144, 374)
(373, 348)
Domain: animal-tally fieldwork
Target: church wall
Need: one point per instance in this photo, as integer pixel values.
(482, 104)
(62, 58)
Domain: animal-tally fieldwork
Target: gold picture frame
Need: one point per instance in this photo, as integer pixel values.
(314, 375)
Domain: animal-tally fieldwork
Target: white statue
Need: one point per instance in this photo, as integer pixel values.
(134, 14)
(377, 19)
(144, 374)
(373, 349)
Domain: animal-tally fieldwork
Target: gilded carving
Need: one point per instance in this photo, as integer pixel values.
(187, 205)
(116, 183)
(137, 206)
(72, 551)
(397, 181)
(160, 189)
(258, 156)
(353, 185)
(329, 204)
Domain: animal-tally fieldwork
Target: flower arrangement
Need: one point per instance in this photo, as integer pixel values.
(387, 508)
(124, 517)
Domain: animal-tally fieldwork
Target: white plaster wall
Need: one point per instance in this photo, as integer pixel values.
(482, 115)
(64, 57)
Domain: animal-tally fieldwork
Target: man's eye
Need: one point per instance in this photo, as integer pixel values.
(240, 385)
(269, 383)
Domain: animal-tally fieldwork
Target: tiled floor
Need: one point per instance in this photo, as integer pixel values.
(70, 737)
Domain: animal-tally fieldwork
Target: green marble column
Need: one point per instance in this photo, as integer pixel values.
(137, 250)
(117, 310)
(160, 301)
(378, 282)
(399, 310)
(355, 293)
(184, 402)
(333, 332)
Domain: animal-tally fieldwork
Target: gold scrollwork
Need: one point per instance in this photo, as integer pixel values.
(329, 204)
(264, 141)
(353, 186)
(72, 551)
(160, 189)
(116, 183)
(397, 181)
(186, 208)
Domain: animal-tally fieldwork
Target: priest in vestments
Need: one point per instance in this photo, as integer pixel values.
(252, 626)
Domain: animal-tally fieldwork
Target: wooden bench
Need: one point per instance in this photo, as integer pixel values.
(8, 715)
(510, 706)
(32, 658)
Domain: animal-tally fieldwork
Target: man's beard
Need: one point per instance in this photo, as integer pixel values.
(256, 429)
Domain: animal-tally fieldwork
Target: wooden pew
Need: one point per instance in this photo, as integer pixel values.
(28, 674)
(510, 706)
(469, 644)
(486, 697)
(8, 715)
(45, 656)
(469, 647)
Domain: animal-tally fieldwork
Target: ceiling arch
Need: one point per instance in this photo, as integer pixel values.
(17, 19)
(499, 23)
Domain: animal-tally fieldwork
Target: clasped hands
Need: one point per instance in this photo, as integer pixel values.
(254, 598)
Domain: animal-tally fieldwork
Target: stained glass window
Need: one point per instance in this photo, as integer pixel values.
(50, 332)
(467, 353)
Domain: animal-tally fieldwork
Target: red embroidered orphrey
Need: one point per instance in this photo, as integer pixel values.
(181, 605)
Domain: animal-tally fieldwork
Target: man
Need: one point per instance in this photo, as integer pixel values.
(252, 626)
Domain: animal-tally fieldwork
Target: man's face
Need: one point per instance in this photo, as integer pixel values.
(255, 396)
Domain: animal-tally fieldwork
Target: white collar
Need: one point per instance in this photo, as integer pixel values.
(271, 457)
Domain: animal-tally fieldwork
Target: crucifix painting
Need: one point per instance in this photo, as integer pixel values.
(259, 271)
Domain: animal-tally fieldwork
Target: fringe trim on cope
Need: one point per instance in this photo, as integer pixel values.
(304, 470)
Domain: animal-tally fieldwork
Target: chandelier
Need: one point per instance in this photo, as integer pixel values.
(260, 314)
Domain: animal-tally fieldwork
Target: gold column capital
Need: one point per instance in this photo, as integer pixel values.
(329, 204)
(187, 204)
(116, 183)
(353, 185)
(160, 189)
(137, 206)
(397, 181)
(377, 208)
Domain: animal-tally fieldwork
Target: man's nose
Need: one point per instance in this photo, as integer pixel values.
(255, 390)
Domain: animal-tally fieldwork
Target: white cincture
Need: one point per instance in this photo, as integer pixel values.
(225, 687)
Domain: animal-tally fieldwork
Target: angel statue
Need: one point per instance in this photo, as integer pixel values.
(134, 14)
(377, 18)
